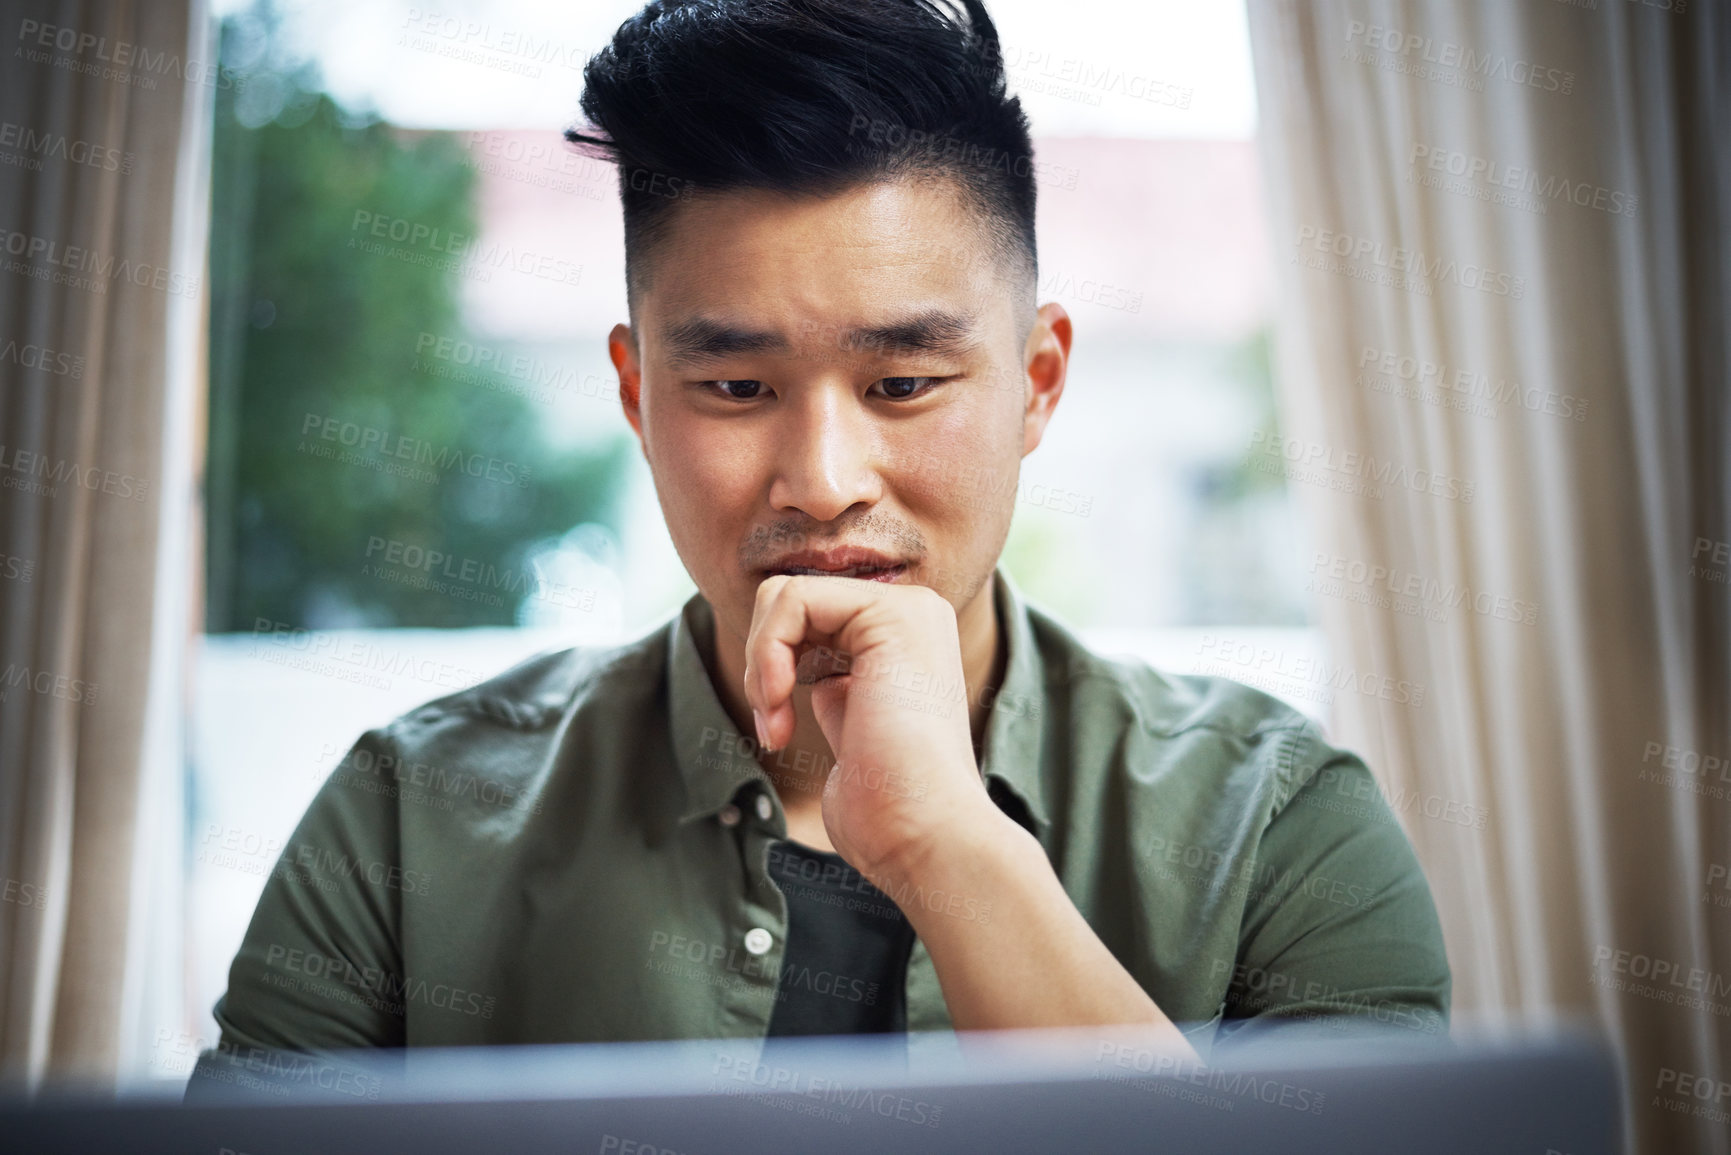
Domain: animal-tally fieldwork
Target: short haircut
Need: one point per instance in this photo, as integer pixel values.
(810, 97)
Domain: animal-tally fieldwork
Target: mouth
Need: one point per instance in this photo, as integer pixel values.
(865, 573)
(866, 565)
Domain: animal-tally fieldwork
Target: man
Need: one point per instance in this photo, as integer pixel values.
(857, 785)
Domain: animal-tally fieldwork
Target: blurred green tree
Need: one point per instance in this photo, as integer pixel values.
(306, 325)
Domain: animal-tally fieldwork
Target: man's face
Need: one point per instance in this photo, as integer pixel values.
(835, 384)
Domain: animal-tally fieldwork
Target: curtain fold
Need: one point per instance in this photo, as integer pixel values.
(1504, 402)
(97, 289)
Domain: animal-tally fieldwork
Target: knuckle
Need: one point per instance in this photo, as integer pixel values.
(931, 600)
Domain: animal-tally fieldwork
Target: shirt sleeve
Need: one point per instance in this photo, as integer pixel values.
(320, 966)
(1340, 933)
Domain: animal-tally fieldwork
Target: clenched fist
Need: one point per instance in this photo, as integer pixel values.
(887, 689)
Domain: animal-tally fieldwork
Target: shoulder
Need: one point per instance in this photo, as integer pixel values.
(536, 691)
(491, 725)
(1202, 727)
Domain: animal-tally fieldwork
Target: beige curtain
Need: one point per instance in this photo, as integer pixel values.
(102, 208)
(1506, 409)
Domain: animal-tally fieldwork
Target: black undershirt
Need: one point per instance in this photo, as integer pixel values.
(845, 968)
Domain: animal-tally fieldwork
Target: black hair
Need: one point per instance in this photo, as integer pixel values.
(809, 97)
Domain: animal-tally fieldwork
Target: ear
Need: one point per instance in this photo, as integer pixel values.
(1045, 359)
(622, 350)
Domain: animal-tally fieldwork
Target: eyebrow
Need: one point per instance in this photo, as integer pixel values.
(937, 331)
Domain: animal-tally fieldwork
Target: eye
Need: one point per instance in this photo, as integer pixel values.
(902, 388)
(733, 390)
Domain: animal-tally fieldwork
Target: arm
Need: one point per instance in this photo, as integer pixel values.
(917, 819)
(313, 972)
(1035, 961)
(1340, 933)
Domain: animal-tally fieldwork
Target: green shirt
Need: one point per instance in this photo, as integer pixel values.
(575, 851)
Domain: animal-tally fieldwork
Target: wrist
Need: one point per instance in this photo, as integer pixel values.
(978, 846)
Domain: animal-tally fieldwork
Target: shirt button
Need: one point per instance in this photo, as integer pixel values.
(758, 940)
(729, 815)
(765, 808)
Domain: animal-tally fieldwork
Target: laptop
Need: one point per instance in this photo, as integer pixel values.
(1552, 1092)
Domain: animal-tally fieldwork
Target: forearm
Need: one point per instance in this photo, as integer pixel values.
(1035, 961)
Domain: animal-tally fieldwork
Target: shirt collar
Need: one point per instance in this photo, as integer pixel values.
(1014, 741)
(715, 760)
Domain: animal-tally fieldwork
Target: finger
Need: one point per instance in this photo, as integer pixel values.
(752, 681)
(800, 610)
(781, 630)
(770, 666)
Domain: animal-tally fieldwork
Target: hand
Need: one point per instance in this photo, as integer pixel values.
(884, 663)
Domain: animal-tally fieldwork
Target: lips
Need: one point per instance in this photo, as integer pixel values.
(865, 564)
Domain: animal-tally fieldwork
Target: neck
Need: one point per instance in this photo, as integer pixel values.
(799, 769)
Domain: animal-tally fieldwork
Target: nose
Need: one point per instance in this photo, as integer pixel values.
(824, 449)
